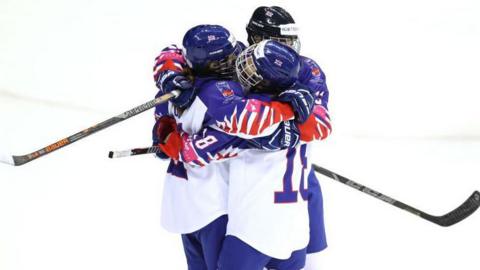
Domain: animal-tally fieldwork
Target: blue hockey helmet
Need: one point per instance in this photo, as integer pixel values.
(211, 50)
(268, 67)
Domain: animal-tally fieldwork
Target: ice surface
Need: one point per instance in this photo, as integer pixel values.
(78, 209)
(6, 158)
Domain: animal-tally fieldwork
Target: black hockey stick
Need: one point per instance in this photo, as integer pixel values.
(134, 152)
(20, 160)
(453, 217)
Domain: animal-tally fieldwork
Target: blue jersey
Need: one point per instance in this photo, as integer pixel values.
(317, 126)
(312, 76)
(224, 112)
(229, 119)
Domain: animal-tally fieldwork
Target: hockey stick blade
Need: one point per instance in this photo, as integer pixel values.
(134, 152)
(460, 213)
(22, 159)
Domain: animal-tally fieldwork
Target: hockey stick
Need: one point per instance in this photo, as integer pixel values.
(22, 159)
(453, 217)
(134, 152)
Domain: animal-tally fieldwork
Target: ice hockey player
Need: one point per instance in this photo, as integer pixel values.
(197, 208)
(276, 23)
(257, 200)
(312, 74)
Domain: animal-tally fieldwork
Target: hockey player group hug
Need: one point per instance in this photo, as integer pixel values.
(239, 187)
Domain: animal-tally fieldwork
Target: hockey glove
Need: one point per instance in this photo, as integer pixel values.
(168, 137)
(171, 58)
(172, 80)
(155, 140)
(301, 100)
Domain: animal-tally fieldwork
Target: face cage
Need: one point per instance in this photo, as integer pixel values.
(293, 41)
(246, 70)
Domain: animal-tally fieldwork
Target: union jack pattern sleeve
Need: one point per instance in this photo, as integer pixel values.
(242, 116)
(212, 145)
(209, 145)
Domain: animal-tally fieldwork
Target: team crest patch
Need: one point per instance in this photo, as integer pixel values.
(227, 92)
(315, 72)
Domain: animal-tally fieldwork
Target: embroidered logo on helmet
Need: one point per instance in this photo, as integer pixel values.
(211, 38)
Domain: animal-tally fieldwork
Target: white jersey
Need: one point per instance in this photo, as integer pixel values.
(267, 200)
(189, 205)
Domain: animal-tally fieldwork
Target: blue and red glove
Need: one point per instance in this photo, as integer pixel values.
(172, 80)
(168, 73)
(301, 100)
(170, 58)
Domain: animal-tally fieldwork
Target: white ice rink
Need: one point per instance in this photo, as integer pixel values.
(404, 85)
